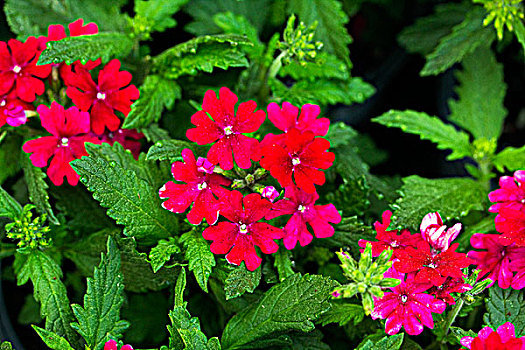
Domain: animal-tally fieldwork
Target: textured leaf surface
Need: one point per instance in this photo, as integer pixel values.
(342, 313)
(158, 13)
(453, 198)
(52, 340)
(9, 207)
(325, 66)
(510, 158)
(10, 153)
(231, 23)
(240, 281)
(200, 258)
(464, 39)
(156, 93)
(168, 150)
(393, 342)
(428, 128)
(291, 305)
(99, 319)
(162, 252)
(481, 92)
(505, 305)
(283, 263)
(105, 46)
(340, 134)
(308, 341)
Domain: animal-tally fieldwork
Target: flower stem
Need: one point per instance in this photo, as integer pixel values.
(276, 65)
(450, 320)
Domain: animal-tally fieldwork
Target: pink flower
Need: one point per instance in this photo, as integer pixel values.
(68, 128)
(518, 282)
(407, 306)
(199, 187)
(270, 193)
(226, 129)
(112, 345)
(497, 261)
(111, 93)
(511, 193)
(128, 138)
(487, 339)
(12, 110)
(451, 285)
(300, 205)
(511, 224)
(238, 238)
(433, 231)
(301, 155)
(18, 69)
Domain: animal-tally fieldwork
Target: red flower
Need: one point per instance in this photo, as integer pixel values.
(226, 129)
(239, 237)
(511, 224)
(200, 187)
(112, 345)
(433, 231)
(67, 143)
(112, 92)
(12, 110)
(301, 154)
(432, 268)
(301, 206)
(128, 138)
(511, 193)
(18, 69)
(451, 285)
(503, 339)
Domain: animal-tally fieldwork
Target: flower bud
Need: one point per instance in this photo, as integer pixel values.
(204, 165)
(433, 231)
(270, 192)
(15, 115)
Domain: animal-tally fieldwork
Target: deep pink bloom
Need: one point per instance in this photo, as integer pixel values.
(68, 128)
(301, 155)
(270, 193)
(451, 285)
(18, 69)
(285, 118)
(433, 231)
(390, 239)
(503, 339)
(430, 267)
(511, 224)
(239, 237)
(226, 129)
(112, 345)
(511, 193)
(518, 265)
(199, 187)
(128, 138)
(301, 205)
(12, 110)
(111, 93)
(407, 306)
(497, 261)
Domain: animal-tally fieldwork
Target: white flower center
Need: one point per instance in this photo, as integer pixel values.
(101, 96)
(522, 201)
(394, 244)
(202, 186)
(404, 298)
(301, 208)
(432, 265)
(65, 141)
(243, 228)
(2, 104)
(17, 69)
(228, 130)
(296, 161)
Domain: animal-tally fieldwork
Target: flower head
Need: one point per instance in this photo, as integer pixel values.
(433, 231)
(286, 118)
(511, 224)
(12, 110)
(112, 345)
(503, 338)
(511, 193)
(451, 285)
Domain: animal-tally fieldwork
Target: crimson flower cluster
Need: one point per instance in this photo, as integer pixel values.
(92, 116)
(428, 267)
(295, 159)
(503, 338)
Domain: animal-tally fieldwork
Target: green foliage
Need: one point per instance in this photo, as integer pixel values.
(291, 305)
(347, 235)
(308, 341)
(464, 39)
(168, 150)
(9, 207)
(6, 346)
(429, 128)
(156, 15)
(481, 92)
(130, 200)
(52, 340)
(325, 66)
(453, 198)
(86, 47)
(505, 305)
(505, 13)
(510, 158)
(162, 252)
(393, 342)
(283, 263)
(200, 258)
(240, 281)
(342, 313)
(9, 154)
(30, 233)
(156, 93)
(231, 23)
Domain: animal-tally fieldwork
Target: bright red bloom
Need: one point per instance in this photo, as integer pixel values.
(18, 69)
(285, 118)
(511, 193)
(239, 237)
(199, 187)
(111, 93)
(12, 110)
(432, 268)
(518, 265)
(300, 154)
(226, 129)
(390, 239)
(451, 285)
(511, 224)
(128, 138)
(503, 339)
(112, 345)
(433, 231)
(300, 205)
(68, 128)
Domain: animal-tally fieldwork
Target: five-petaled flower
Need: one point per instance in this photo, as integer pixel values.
(511, 193)
(503, 338)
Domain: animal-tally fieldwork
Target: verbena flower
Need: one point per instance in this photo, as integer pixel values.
(111, 93)
(128, 138)
(198, 186)
(433, 231)
(301, 205)
(270, 193)
(68, 129)
(226, 128)
(451, 285)
(238, 238)
(488, 339)
(511, 193)
(288, 117)
(112, 345)
(12, 110)
(511, 224)
(518, 265)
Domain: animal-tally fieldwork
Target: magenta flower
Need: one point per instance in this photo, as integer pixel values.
(226, 129)
(504, 338)
(12, 110)
(511, 224)
(301, 205)
(199, 187)
(518, 265)
(238, 238)
(451, 285)
(433, 231)
(270, 193)
(128, 138)
(112, 345)
(407, 306)
(68, 129)
(511, 193)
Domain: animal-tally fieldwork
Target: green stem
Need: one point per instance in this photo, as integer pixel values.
(450, 320)
(276, 65)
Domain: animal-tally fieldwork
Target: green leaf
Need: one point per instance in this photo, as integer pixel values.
(130, 200)
(49, 290)
(342, 314)
(231, 23)
(464, 39)
(9, 207)
(158, 13)
(156, 93)
(453, 198)
(240, 281)
(429, 128)
(155, 133)
(291, 305)
(99, 319)
(308, 341)
(505, 305)
(6, 346)
(37, 188)
(201, 54)
(331, 24)
(325, 66)
(9, 155)
(52, 340)
(519, 31)
(162, 252)
(340, 134)
(168, 150)
(392, 342)
(481, 92)
(200, 258)
(510, 158)
(283, 263)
